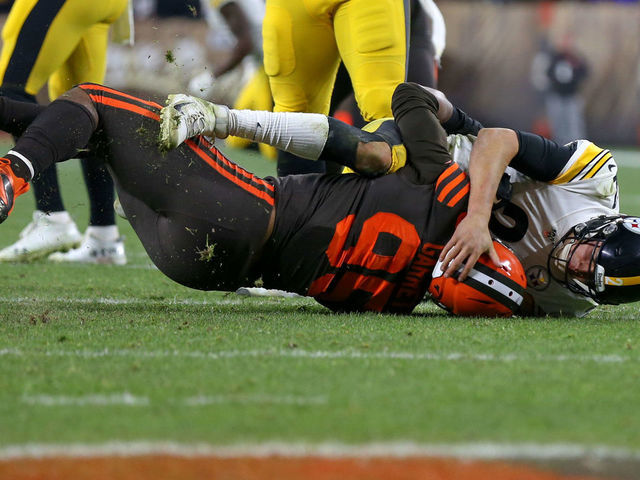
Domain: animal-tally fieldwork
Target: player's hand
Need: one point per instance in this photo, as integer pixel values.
(470, 240)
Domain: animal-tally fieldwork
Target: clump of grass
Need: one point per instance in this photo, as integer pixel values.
(208, 252)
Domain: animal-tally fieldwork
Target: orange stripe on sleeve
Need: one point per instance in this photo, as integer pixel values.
(266, 196)
(451, 185)
(112, 102)
(458, 196)
(446, 173)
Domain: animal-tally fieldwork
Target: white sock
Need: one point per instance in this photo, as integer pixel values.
(106, 233)
(303, 134)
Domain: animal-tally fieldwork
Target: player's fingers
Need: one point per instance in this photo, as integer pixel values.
(493, 255)
(447, 248)
(448, 253)
(471, 261)
(455, 262)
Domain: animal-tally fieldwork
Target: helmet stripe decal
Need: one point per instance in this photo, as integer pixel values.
(621, 281)
(505, 280)
(495, 289)
(492, 292)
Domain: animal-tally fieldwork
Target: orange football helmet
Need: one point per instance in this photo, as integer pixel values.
(488, 291)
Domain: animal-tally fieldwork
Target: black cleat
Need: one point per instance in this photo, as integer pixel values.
(6, 197)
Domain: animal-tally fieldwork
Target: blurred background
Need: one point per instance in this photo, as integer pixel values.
(558, 68)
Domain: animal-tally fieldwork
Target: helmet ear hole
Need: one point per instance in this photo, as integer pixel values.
(488, 291)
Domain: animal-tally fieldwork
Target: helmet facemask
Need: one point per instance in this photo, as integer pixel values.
(574, 259)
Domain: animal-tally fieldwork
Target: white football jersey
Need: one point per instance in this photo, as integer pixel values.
(541, 213)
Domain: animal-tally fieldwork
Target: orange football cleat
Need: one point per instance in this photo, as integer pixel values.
(10, 187)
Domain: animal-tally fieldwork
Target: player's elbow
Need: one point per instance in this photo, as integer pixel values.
(503, 139)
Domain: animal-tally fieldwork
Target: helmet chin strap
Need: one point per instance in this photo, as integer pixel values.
(599, 278)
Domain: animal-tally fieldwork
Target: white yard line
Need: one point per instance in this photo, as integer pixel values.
(257, 399)
(324, 355)
(121, 301)
(125, 398)
(228, 298)
(129, 400)
(466, 451)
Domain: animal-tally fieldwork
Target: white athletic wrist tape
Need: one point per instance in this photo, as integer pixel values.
(303, 134)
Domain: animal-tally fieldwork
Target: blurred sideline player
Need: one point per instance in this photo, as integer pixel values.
(62, 43)
(427, 42)
(557, 208)
(304, 42)
(244, 20)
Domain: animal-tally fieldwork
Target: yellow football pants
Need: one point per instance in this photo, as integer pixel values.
(72, 50)
(304, 40)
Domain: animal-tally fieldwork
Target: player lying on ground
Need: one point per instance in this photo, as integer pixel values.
(557, 206)
(351, 242)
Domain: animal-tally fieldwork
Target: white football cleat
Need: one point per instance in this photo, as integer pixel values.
(45, 234)
(186, 116)
(94, 250)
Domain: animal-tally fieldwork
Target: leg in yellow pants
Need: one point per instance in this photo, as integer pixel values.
(62, 42)
(72, 49)
(304, 41)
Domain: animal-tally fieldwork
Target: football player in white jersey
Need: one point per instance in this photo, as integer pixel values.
(541, 215)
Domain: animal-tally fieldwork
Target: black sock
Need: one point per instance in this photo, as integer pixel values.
(101, 192)
(46, 190)
(57, 134)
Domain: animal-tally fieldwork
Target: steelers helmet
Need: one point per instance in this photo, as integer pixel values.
(609, 271)
(488, 290)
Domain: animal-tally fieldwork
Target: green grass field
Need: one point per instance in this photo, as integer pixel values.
(90, 354)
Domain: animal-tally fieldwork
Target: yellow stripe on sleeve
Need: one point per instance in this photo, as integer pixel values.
(597, 166)
(589, 154)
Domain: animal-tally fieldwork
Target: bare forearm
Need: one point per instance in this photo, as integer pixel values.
(490, 156)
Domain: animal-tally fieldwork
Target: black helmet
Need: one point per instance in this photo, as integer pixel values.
(613, 272)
